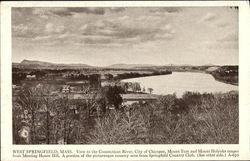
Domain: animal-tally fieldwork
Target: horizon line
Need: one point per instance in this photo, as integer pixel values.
(172, 64)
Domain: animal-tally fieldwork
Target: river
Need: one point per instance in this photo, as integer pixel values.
(180, 82)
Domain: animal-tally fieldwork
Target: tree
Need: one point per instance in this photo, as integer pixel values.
(113, 96)
(62, 120)
(109, 76)
(95, 80)
(150, 90)
(17, 113)
(28, 104)
(136, 87)
(119, 127)
(18, 77)
(125, 86)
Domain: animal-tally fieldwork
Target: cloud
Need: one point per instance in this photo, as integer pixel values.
(51, 28)
(145, 18)
(222, 24)
(45, 12)
(164, 36)
(227, 42)
(91, 10)
(166, 32)
(230, 37)
(105, 41)
(60, 29)
(124, 18)
(167, 9)
(25, 30)
(117, 9)
(41, 12)
(103, 30)
(21, 15)
(20, 29)
(111, 31)
(60, 12)
(42, 38)
(97, 40)
(32, 31)
(69, 11)
(65, 35)
(168, 28)
(23, 10)
(114, 29)
(208, 17)
(224, 46)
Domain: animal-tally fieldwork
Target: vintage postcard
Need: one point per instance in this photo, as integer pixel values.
(125, 80)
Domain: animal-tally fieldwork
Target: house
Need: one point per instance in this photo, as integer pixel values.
(66, 89)
(107, 83)
(30, 77)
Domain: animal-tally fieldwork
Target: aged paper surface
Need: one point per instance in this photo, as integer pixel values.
(125, 80)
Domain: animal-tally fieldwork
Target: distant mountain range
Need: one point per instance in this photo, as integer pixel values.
(41, 64)
(34, 64)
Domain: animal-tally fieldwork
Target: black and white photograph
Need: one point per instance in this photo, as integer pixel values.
(125, 75)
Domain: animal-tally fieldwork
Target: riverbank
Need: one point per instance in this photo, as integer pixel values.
(226, 79)
(139, 75)
(226, 74)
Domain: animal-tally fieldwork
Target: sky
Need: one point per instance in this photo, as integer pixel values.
(130, 35)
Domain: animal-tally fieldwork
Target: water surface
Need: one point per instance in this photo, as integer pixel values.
(180, 82)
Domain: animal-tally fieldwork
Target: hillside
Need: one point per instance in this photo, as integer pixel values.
(46, 65)
(34, 64)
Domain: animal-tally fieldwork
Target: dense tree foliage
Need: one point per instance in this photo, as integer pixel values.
(18, 77)
(193, 119)
(112, 95)
(170, 120)
(227, 74)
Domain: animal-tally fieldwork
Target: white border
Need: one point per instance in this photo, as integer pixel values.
(244, 80)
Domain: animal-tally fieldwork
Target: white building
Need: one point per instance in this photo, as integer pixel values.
(30, 77)
(66, 89)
